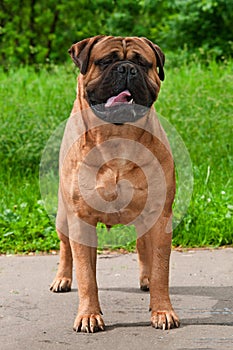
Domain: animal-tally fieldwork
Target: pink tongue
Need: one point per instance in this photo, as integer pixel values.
(120, 98)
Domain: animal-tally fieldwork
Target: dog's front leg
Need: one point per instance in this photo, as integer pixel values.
(163, 316)
(89, 314)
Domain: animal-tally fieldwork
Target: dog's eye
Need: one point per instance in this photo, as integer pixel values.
(142, 62)
(106, 61)
(103, 63)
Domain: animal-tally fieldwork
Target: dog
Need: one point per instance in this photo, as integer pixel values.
(116, 167)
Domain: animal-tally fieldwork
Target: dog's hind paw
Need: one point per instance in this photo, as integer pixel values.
(144, 284)
(61, 285)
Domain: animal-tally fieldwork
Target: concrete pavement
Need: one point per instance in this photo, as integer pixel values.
(201, 288)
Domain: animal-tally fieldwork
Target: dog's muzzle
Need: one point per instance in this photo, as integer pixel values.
(120, 107)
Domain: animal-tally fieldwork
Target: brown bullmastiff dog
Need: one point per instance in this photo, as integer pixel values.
(116, 167)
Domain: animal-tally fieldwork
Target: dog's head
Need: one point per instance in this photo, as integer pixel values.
(121, 76)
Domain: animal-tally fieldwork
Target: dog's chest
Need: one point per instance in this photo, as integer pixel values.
(108, 178)
(115, 192)
(119, 178)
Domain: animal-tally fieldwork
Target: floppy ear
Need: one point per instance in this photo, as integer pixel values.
(80, 52)
(160, 57)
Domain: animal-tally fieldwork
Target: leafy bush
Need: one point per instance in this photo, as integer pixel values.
(204, 26)
(41, 31)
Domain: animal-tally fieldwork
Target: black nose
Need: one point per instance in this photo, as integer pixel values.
(127, 68)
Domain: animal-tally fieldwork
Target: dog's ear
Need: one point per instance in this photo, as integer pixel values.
(160, 57)
(80, 52)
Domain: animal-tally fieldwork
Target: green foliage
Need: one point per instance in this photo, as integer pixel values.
(26, 228)
(24, 223)
(204, 26)
(33, 32)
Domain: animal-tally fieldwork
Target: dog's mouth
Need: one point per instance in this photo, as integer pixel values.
(123, 97)
(119, 109)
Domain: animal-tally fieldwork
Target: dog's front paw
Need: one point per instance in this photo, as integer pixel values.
(165, 319)
(89, 323)
(61, 285)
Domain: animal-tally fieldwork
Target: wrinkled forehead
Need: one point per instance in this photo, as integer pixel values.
(126, 48)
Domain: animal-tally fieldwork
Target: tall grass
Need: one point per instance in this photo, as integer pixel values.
(196, 99)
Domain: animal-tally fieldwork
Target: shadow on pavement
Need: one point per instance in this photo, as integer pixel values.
(220, 314)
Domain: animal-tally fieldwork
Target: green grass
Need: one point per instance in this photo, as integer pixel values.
(196, 99)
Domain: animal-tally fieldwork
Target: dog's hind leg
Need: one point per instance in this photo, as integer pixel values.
(144, 249)
(62, 281)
